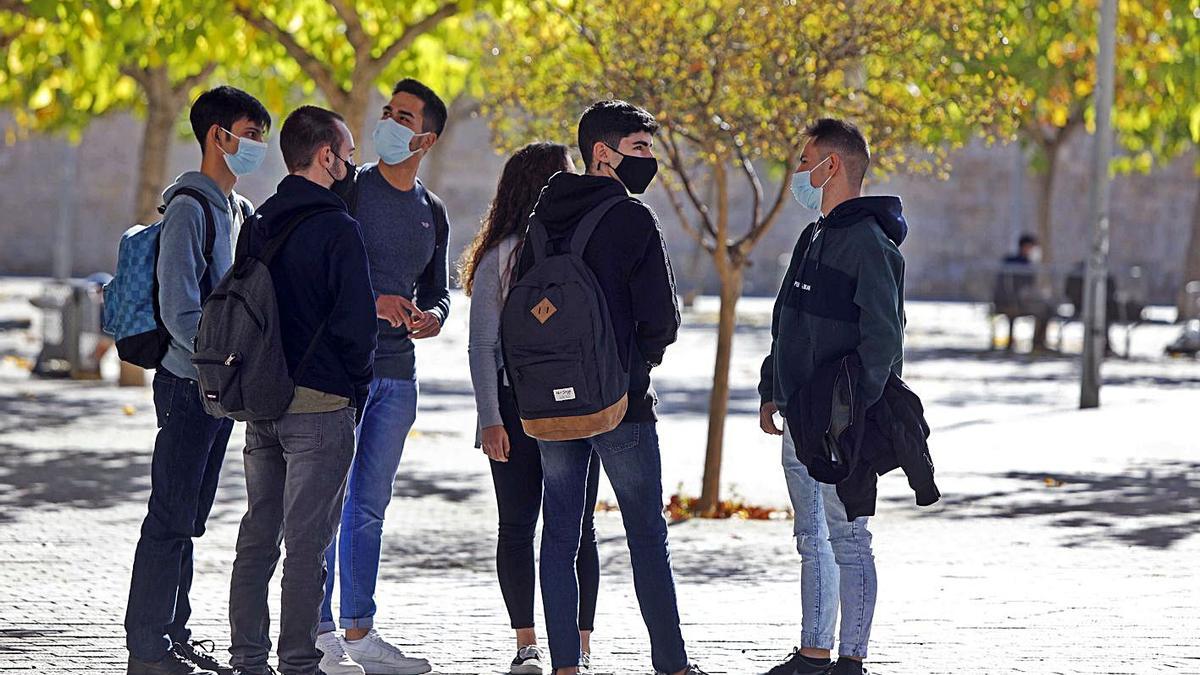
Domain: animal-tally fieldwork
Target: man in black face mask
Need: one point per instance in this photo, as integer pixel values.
(627, 255)
(296, 465)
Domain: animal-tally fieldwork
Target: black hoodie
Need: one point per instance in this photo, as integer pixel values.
(630, 261)
(843, 292)
(320, 273)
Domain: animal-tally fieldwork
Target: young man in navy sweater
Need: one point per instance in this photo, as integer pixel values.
(405, 229)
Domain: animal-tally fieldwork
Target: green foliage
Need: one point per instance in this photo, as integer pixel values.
(1161, 116)
(71, 61)
(1049, 52)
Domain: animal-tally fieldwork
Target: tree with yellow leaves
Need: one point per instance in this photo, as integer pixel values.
(734, 83)
(1050, 49)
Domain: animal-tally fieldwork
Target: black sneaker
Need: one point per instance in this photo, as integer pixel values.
(171, 664)
(848, 667)
(801, 665)
(200, 652)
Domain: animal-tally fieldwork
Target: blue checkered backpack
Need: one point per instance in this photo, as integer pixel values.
(131, 298)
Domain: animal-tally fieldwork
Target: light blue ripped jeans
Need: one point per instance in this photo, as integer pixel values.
(837, 568)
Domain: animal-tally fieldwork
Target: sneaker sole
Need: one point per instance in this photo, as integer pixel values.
(389, 669)
(527, 669)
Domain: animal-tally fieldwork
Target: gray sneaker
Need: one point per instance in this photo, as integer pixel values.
(171, 664)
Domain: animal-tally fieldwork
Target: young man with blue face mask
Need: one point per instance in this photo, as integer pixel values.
(405, 228)
(843, 292)
(230, 126)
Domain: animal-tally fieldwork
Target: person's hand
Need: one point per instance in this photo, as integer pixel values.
(426, 327)
(495, 443)
(398, 311)
(766, 419)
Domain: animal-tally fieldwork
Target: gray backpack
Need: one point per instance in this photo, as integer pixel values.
(239, 352)
(559, 347)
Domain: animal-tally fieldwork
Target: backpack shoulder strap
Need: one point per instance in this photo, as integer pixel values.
(585, 228)
(210, 225)
(274, 244)
(539, 238)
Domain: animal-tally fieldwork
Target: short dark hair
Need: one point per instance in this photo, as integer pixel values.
(845, 139)
(223, 106)
(1027, 240)
(306, 130)
(433, 113)
(608, 122)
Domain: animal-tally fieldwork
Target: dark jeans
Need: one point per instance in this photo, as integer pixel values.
(184, 470)
(630, 457)
(519, 498)
(296, 470)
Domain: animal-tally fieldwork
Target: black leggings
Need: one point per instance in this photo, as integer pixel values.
(519, 497)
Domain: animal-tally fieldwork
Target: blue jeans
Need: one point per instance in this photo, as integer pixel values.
(630, 458)
(188, 453)
(389, 415)
(837, 566)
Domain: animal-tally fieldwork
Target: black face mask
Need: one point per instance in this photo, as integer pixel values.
(635, 172)
(341, 185)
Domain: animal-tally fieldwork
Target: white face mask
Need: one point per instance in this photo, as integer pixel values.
(392, 140)
(249, 156)
(804, 191)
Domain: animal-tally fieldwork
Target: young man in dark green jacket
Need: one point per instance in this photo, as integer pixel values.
(843, 293)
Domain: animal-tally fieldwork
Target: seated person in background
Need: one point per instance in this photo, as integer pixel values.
(1017, 294)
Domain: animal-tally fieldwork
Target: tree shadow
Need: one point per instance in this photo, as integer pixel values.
(37, 479)
(1150, 507)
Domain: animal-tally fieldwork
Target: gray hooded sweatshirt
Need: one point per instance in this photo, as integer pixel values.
(181, 260)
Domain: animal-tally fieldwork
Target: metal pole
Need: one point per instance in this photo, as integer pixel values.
(64, 238)
(1095, 287)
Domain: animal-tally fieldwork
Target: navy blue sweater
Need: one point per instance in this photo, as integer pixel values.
(320, 273)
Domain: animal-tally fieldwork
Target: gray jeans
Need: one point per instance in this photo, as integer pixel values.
(296, 470)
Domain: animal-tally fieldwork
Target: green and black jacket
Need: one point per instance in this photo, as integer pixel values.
(843, 293)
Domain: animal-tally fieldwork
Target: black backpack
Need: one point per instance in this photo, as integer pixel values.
(243, 371)
(559, 346)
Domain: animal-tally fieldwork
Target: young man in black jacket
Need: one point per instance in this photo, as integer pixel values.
(296, 465)
(843, 293)
(628, 256)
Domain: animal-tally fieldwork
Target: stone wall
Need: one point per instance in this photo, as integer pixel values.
(958, 226)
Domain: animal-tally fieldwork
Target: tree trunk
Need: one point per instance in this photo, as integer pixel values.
(718, 405)
(1045, 231)
(729, 271)
(161, 111)
(433, 167)
(1191, 265)
(353, 106)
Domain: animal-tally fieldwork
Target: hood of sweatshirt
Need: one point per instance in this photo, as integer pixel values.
(887, 211)
(205, 185)
(568, 196)
(294, 194)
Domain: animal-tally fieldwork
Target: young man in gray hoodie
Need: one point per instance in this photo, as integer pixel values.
(229, 125)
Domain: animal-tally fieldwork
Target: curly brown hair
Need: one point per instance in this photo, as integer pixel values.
(524, 175)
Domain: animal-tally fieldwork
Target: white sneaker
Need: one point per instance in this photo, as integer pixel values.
(378, 657)
(334, 659)
(529, 661)
(585, 663)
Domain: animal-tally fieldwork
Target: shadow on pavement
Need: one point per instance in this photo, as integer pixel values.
(1151, 507)
(36, 479)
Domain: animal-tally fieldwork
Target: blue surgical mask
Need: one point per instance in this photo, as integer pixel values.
(391, 140)
(249, 156)
(803, 190)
